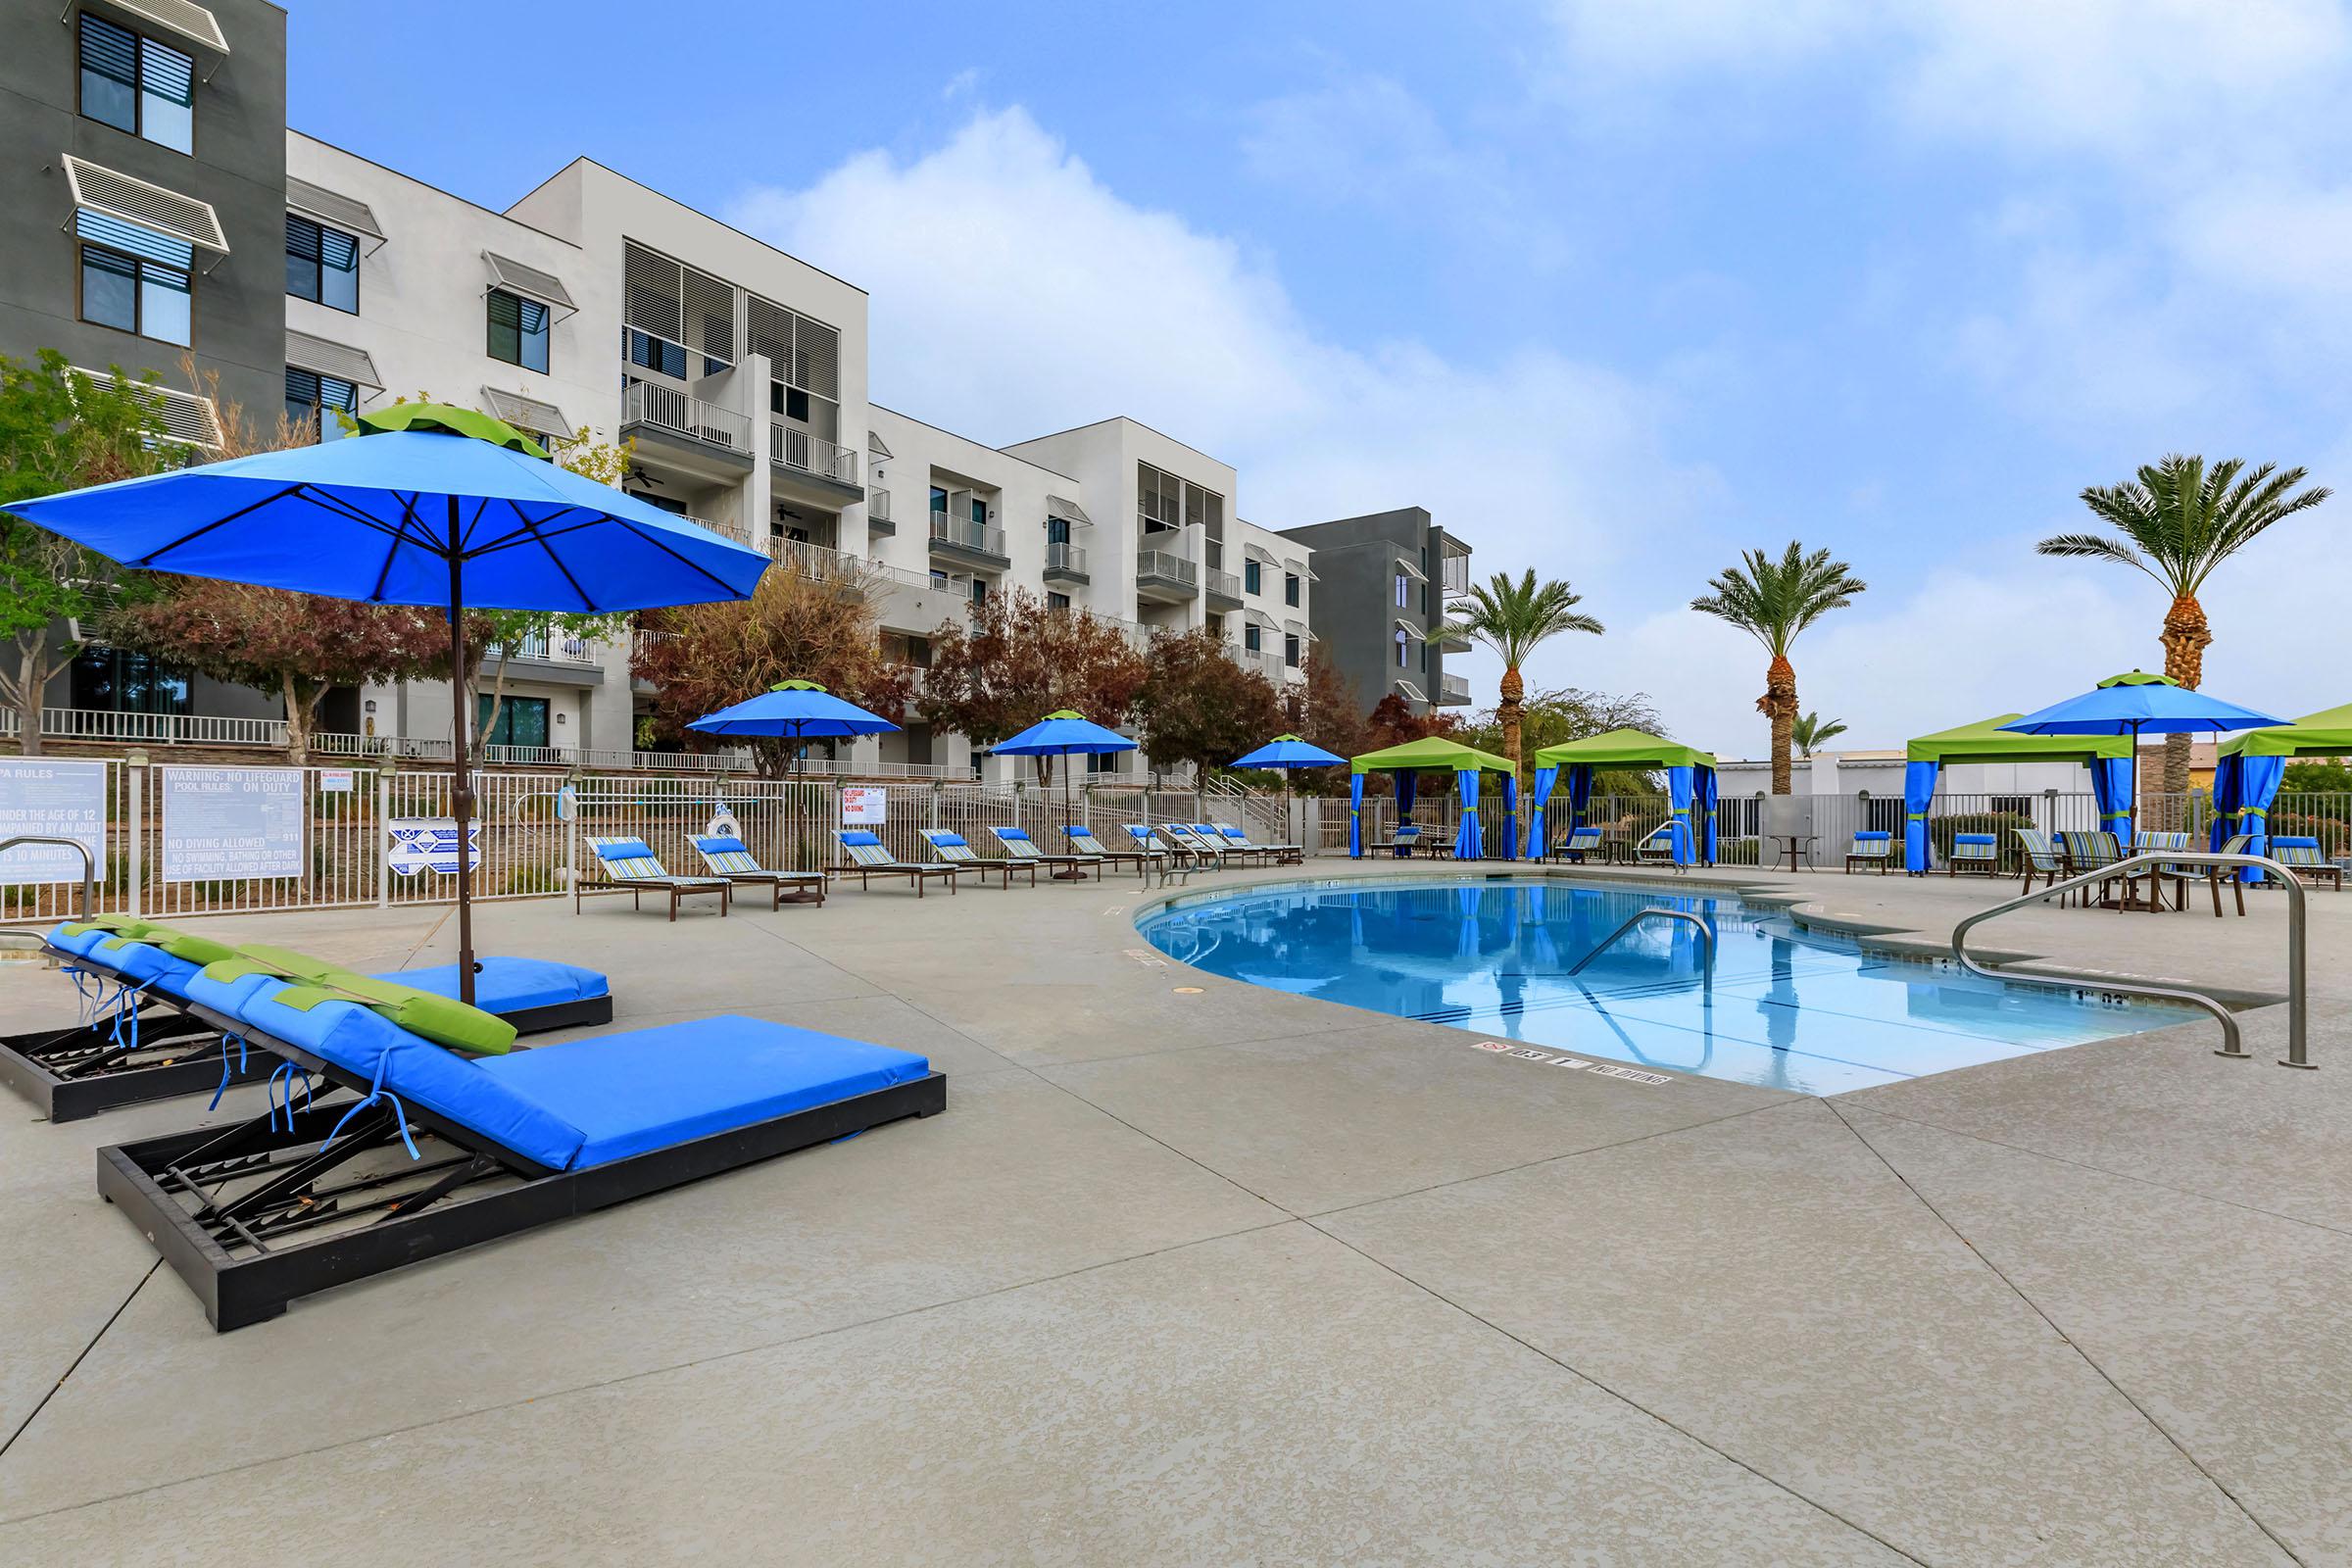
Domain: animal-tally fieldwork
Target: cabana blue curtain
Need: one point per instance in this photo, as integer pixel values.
(2111, 788)
(1580, 792)
(1919, 793)
(2260, 787)
(1706, 817)
(1408, 793)
(2228, 800)
(1538, 792)
(1468, 843)
(1510, 816)
(1679, 786)
(1355, 816)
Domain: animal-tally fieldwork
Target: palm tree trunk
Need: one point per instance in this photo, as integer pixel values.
(2186, 637)
(1510, 710)
(1778, 705)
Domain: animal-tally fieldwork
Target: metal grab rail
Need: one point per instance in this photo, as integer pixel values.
(2297, 1050)
(1654, 911)
(89, 866)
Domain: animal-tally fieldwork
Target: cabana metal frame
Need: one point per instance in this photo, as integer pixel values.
(1691, 786)
(2108, 757)
(87, 1069)
(1434, 753)
(244, 1213)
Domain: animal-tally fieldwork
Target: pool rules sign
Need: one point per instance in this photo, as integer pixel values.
(228, 824)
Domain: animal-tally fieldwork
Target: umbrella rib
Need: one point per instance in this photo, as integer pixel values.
(148, 560)
(554, 559)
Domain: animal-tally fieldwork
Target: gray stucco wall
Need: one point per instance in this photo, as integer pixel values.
(1354, 609)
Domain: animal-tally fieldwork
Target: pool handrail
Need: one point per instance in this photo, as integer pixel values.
(1636, 918)
(2297, 1044)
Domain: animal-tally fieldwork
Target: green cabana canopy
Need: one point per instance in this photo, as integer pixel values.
(2327, 733)
(1431, 753)
(1627, 749)
(1986, 741)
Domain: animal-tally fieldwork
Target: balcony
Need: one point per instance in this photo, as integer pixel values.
(1454, 567)
(1224, 589)
(1165, 576)
(558, 661)
(877, 514)
(821, 564)
(1453, 691)
(826, 470)
(955, 538)
(1065, 563)
(684, 431)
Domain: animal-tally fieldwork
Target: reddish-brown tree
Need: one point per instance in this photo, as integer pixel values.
(1199, 707)
(1016, 660)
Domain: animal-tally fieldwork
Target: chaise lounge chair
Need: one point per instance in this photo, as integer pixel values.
(140, 1043)
(1656, 848)
(1974, 851)
(1238, 838)
(869, 858)
(732, 859)
(1208, 850)
(2302, 856)
(2089, 852)
(2041, 860)
(1579, 843)
(495, 1142)
(1407, 838)
(1021, 849)
(1082, 840)
(1871, 848)
(1179, 856)
(629, 866)
(953, 850)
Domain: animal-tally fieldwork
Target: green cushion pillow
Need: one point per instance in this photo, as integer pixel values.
(443, 1020)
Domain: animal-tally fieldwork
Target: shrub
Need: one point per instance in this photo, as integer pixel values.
(2332, 834)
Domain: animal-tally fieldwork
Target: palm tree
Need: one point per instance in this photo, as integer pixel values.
(1811, 733)
(2177, 521)
(1772, 601)
(1514, 618)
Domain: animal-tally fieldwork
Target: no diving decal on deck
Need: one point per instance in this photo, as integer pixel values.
(1554, 1058)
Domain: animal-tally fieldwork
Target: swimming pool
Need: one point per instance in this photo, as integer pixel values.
(1780, 1006)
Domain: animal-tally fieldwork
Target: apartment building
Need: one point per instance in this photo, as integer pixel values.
(333, 284)
(1384, 580)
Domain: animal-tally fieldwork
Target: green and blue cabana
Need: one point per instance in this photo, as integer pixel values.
(2247, 773)
(1690, 785)
(1433, 754)
(2108, 757)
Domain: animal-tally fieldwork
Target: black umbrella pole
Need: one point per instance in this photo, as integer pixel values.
(461, 787)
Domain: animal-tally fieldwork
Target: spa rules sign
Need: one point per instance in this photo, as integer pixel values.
(221, 824)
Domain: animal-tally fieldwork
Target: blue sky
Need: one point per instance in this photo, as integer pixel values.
(1614, 289)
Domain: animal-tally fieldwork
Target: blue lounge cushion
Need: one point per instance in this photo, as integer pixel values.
(1867, 836)
(648, 1089)
(945, 840)
(859, 835)
(1010, 832)
(1972, 838)
(721, 844)
(509, 985)
(626, 850)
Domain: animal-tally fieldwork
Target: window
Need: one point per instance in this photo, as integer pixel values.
(1216, 625)
(1252, 638)
(518, 330)
(979, 590)
(1102, 761)
(1404, 591)
(1253, 577)
(1290, 588)
(522, 721)
(789, 401)
(323, 264)
(939, 579)
(653, 353)
(2011, 805)
(137, 85)
(1404, 650)
(939, 500)
(1290, 650)
(1159, 498)
(1058, 530)
(118, 682)
(1055, 601)
(134, 280)
(312, 400)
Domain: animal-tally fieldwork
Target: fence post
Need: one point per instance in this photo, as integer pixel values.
(383, 829)
(135, 811)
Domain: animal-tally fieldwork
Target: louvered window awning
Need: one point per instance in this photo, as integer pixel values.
(184, 416)
(1258, 618)
(873, 445)
(349, 214)
(1259, 553)
(189, 23)
(1297, 629)
(329, 357)
(1410, 692)
(515, 277)
(531, 415)
(1410, 630)
(1067, 509)
(96, 189)
(1407, 569)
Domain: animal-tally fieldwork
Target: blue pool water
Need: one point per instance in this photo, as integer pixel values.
(1781, 1006)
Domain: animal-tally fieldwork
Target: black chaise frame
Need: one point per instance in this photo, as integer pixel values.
(242, 1213)
(79, 1071)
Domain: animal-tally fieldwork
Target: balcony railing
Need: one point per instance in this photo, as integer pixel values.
(962, 533)
(1453, 691)
(1224, 585)
(819, 563)
(877, 512)
(1167, 567)
(796, 449)
(559, 649)
(646, 403)
(1065, 558)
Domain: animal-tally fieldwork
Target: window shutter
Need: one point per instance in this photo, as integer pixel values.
(130, 238)
(338, 250)
(771, 336)
(302, 238)
(168, 74)
(709, 317)
(817, 357)
(654, 287)
(110, 51)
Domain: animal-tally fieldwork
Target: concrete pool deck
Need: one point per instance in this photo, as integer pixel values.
(1221, 1275)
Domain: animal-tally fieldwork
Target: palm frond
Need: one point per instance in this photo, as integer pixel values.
(1774, 599)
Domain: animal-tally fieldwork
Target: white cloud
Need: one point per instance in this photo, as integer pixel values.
(1015, 294)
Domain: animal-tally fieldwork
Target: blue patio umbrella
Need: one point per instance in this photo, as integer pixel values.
(1286, 754)
(2135, 704)
(440, 507)
(794, 710)
(1066, 733)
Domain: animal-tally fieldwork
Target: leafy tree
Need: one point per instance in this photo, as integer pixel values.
(1015, 661)
(299, 647)
(1515, 618)
(2177, 521)
(2322, 776)
(1811, 733)
(1323, 708)
(1393, 722)
(1774, 600)
(1198, 705)
(1572, 713)
(60, 430)
(795, 626)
